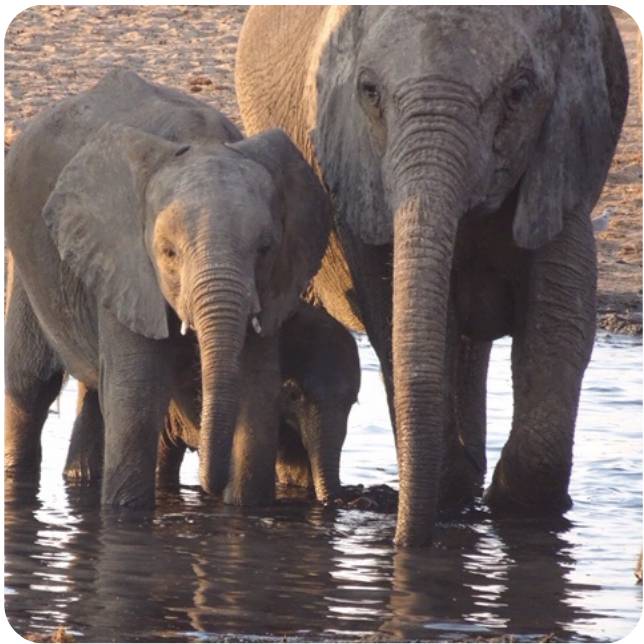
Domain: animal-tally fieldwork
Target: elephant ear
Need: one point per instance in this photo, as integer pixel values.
(578, 137)
(95, 215)
(350, 164)
(305, 211)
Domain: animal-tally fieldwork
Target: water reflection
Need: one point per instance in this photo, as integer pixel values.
(539, 558)
(436, 592)
(490, 579)
(196, 570)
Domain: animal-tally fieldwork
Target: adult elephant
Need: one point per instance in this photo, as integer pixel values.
(464, 148)
(141, 224)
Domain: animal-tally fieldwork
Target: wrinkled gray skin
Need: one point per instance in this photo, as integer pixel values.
(129, 209)
(464, 148)
(320, 374)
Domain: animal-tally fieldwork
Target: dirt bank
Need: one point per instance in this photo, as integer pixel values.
(54, 51)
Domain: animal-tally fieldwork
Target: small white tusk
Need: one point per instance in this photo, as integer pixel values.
(257, 327)
(184, 327)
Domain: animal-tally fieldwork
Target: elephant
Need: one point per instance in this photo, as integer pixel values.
(142, 227)
(320, 370)
(320, 380)
(463, 149)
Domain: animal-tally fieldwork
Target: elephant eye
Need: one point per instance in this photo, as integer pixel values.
(518, 91)
(169, 252)
(369, 91)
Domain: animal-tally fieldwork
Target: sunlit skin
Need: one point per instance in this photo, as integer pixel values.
(464, 149)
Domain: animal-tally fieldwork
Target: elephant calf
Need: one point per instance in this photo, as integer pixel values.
(321, 378)
(320, 372)
(144, 231)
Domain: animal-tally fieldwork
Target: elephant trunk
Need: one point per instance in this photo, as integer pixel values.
(324, 454)
(430, 169)
(220, 312)
(423, 244)
(326, 477)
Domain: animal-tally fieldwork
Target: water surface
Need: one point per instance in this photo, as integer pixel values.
(196, 570)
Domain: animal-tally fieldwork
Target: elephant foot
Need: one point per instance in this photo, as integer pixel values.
(81, 475)
(459, 497)
(328, 497)
(461, 480)
(22, 476)
(21, 481)
(83, 472)
(22, 492)
(169, 461)
(22, 447)
(168, 483)
(130, 491)
(25, 468)
(525, 497)
(460, 487)
(129, 502)
(244, 495)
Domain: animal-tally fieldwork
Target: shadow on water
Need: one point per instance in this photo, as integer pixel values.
(195, 570)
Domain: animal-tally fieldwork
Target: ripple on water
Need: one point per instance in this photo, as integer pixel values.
(195, 570)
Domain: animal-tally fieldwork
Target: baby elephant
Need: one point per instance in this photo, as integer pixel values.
(320, 372)
(320, 382)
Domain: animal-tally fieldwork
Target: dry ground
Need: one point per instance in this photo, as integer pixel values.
(54, 51)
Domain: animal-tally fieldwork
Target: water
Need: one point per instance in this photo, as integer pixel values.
(195, 570)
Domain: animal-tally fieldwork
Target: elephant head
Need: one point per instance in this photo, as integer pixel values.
(218, 238)
(320, 370)
(426, 116)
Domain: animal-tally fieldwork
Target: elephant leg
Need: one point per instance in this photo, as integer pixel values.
(368, 295)
(33, 379)
(84, 463)
(252, 471)
(372, 296)
(550, 352)
(465, 462)
(134, 396)
(292, 466)
(170, 455)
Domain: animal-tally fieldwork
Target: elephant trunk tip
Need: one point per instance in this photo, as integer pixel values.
(213, 480)
(407, 537)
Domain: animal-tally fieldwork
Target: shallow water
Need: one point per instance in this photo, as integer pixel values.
(196, 570)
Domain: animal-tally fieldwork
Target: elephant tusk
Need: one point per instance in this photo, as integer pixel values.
(257, 327)
(184, 327)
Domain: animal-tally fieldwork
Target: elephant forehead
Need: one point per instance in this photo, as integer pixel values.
(230, 191)
(497, 25)
(228, 184)
(476, 44)
(229, 177)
